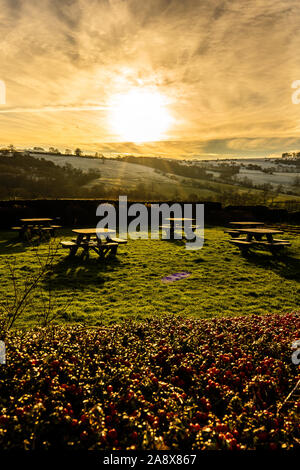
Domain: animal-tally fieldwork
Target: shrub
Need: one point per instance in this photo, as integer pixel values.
(171, 383)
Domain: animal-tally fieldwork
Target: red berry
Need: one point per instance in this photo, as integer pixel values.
(232, 443)
(19, 411)
(84, 418)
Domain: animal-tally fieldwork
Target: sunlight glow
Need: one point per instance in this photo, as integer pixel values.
(139, 115)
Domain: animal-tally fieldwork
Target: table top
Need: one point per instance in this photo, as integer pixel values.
(92, 231)
(261, 231)
(36, 220)
(178, 218)
(246, 223)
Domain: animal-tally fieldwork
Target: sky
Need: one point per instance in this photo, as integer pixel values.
(224, 70)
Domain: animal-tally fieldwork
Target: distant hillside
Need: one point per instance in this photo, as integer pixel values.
(42, 175)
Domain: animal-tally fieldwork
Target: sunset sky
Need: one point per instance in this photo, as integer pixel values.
(216, 75)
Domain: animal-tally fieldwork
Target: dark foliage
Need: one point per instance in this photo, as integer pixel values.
(23, 176)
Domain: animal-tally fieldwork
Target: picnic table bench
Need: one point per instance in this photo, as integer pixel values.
(95, 239)
(254, 238)
(176, 223)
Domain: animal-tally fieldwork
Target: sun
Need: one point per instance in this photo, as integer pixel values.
(140, 115)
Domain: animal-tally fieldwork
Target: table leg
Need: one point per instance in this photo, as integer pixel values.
(43, 234)
(235, 234)
(99, 249)
(172, 230)
(258, 236)
(87, 246)
(74, 249)
(27, 233)
(22, 232)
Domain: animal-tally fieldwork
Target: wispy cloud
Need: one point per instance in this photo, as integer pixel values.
(225, 66)
(51, 109)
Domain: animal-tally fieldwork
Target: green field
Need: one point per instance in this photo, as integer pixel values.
(222, 282)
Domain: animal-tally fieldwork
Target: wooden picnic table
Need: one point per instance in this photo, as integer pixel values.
(37, 221)
(88, 232)
(247, 224)
(35, 225)
(92, 239)
(170, 230)
(255, 237)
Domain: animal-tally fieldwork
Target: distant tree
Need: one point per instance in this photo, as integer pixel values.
(54, 150)
(67, 152)
(78, 152)
(4, 151)
(247, 182)
(96, 154)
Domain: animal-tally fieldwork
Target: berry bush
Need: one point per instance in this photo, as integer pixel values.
(171, 383)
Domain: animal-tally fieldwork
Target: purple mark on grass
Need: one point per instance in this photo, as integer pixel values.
(176, 277)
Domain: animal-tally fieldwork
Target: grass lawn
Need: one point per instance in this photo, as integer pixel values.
(222, 282)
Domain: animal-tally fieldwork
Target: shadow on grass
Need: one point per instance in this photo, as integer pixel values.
(282, 263)
(178, 242)
(11, 246)
(80, 273)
